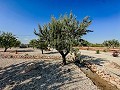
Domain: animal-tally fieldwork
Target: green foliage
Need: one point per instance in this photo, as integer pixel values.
(41, 45)
(75, 43)
(23, 45)
(33, 43)
(74, 50)
(97, 52)
(17, 43)
(44, 37)
(8, 40)
(62, 33)
(85, 43)
(97, 45)
(111, 43)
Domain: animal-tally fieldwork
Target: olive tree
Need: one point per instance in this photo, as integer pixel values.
(41, 45)
(111, 43)
(33, 43)
(61, 33)
(8, 40)
(42, 42)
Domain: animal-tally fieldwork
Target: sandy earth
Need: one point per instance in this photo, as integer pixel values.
(103, 55)
(50, 75)
(105, 60)
(104, 65)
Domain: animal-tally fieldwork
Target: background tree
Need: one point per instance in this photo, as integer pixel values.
(33, 43)
(8, 40)
(63, 32)
(115, 43)
(111, 43)
(41, 45)
(44, 37)
(106, 44)
(85, 43)
(17, 43)
(97, 45)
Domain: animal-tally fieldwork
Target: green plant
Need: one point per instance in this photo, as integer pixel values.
(74, 50)
(111, 43)
(33, 43)
(42, 45)
(63, 33)
(97, 51)
(8, 40)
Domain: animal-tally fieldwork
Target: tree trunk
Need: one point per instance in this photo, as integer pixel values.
(64, 56)
(5, 49)
(64, 59)
(42, 51)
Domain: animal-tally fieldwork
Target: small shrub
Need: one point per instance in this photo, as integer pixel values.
(115, 54)
(97, 52)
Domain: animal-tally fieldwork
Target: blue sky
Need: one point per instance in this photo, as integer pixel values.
(21, 16)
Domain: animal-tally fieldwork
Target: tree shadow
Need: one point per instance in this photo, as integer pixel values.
(93, 60)
(25, 50)
(47, 76)
(17, 50)
(50, 52)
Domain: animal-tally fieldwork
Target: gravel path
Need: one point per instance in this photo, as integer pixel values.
(103, 55)
(50, 75)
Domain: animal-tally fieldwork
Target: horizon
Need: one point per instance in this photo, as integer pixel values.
(21, 17)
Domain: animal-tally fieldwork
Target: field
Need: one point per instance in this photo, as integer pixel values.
(29, 69)
(99, 48)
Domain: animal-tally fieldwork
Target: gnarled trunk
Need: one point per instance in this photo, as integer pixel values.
(5, 49)
(64, 59)
(64, 56)
(42, 51)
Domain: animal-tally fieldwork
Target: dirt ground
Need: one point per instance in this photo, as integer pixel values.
(99, 48)
(49, 75)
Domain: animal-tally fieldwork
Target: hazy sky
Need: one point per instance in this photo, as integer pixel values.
(21, 16)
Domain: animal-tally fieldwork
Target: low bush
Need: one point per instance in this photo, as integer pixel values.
(115, 54)
(97, 51)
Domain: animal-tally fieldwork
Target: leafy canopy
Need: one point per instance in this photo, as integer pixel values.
(111, 43)
(66, 30)
(8, 40)
(61, 33)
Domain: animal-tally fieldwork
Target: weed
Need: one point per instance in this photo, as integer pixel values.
(97, 52)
